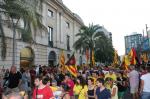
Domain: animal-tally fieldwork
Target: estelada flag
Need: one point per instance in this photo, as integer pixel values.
(71, 66)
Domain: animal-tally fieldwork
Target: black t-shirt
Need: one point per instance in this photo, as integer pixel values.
(14, 79)
(120, 84)
(60, 78)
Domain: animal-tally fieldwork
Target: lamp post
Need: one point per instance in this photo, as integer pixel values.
(147, 34)
(14, 24)
(147, 40)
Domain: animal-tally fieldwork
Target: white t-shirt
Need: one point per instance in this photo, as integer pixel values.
(134, 78)
(146, 79)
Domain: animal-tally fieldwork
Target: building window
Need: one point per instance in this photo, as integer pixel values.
(50, 36)
(50, 13)
(67, 24)
(68, 56)
(68, 42)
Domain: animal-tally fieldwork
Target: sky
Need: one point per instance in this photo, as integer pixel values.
(120, 17)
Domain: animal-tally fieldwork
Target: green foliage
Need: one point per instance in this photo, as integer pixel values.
(92, 38)
(87, 38)
(27, 10)
(104, 51)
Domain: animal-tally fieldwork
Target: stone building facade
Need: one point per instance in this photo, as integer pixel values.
(62, 26)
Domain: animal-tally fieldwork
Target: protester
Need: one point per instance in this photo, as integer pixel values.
(80, 89)
(111, 74)
(134, 82)
(114, 89)
(33, 75)
(101, 91)
(42, 91)
(12, 95)
(26, 81)
(14, 80)
(145, 87)
(65, 92)
(91, 89)
(70, 83)
(121, 83)
(5, 79)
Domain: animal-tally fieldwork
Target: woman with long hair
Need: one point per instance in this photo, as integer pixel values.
(114, 89)
(91, 89)
(80, 89)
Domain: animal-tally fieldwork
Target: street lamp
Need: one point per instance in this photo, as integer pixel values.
(147, 34)
(14, 24)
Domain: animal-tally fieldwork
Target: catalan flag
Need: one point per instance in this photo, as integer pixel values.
(62, 58)
(62, 61)
(71, 66)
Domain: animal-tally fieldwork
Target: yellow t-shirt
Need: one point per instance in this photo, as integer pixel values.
(113, 76)
(54, 88)
(82, 92)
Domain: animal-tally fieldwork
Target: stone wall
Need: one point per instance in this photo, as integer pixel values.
(40, 52)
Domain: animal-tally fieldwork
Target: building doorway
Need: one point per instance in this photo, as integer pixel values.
(26, 57)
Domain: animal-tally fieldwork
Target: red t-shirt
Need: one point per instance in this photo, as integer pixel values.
(45, 93)
(70, 83)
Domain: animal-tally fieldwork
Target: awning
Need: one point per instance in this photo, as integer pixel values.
(26, 54)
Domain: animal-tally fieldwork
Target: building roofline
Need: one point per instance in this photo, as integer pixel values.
(68, 11)
(132, 35)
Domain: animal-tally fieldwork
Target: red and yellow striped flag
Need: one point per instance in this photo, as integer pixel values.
(71, 66)
(62, 61)
(132, 56)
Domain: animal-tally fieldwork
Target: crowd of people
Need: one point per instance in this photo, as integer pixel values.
(99, 82)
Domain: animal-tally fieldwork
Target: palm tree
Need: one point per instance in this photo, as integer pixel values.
(87, 38)
(16, 10)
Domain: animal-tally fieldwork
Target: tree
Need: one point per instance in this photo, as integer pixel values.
(104, 50)
(16, 10)
(87, 38)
